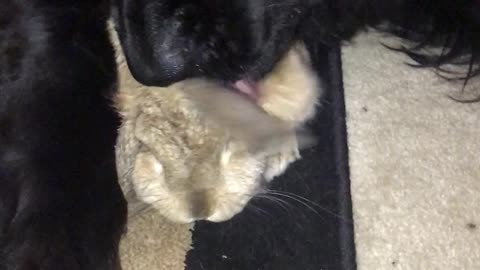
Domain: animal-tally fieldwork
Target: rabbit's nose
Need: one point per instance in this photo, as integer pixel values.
(200, 205)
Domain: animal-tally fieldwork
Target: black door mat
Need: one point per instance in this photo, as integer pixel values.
(312, 229)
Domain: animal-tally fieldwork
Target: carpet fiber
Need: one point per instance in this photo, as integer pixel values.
(414, 161)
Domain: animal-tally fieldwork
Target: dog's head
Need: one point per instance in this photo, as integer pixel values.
(166, 41)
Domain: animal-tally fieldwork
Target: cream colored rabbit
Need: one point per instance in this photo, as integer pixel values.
(196, 150)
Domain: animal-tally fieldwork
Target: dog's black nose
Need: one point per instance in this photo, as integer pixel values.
(161, 70)
(149, 76)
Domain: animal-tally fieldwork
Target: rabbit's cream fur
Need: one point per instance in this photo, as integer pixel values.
(195, 150)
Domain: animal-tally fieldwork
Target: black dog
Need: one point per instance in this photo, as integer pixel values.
(60, 203)
(168, 40)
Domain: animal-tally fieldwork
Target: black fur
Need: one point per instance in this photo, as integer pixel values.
(169, 40)
(60, 204)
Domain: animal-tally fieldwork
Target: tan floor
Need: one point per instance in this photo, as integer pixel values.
(154, 244)
(415, 164)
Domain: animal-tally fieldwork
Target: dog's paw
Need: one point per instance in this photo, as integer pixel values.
(48, 254)
(278, 163)
(38, 255)
(46, 240)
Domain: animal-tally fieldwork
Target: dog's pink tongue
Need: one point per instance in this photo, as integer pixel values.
(247, 87)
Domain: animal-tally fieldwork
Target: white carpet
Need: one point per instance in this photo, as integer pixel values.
(414, 157)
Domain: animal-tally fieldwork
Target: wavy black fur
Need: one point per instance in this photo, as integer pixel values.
(437, 33)
(60, 204)
(166, 41)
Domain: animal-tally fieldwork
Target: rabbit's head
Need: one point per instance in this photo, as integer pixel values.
(199, 151)
(214, 181)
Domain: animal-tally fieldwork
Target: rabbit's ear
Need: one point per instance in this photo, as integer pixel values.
(305, 138)
(301, 138)
(240, 117)
(244, 121)
(226, 152)
(231, 147)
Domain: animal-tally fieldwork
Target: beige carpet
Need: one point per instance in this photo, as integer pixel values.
(415, 164)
